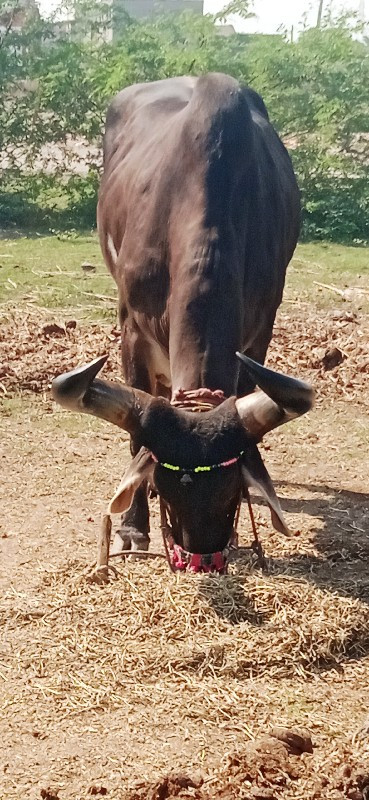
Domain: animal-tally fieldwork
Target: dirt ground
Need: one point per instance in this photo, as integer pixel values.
(107, 691)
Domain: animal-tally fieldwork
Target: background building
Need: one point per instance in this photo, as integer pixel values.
(147, 8)
(14, 17)
(105, 22)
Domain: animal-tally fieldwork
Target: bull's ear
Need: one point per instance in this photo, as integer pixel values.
(256, 475)
(140, 468)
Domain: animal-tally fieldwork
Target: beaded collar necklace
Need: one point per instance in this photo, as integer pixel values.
(175, 468)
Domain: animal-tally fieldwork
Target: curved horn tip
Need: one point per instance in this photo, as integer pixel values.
(72, 385)
(253, 367)
(250, 362)
(291, 394)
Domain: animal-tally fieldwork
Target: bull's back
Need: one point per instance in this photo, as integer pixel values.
(161, 146)
(193, 154)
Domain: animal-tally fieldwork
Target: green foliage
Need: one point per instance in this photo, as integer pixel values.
(335, 193)
(317, 94)
(56, 82)
(323, 79)
(167, 46)
(241, 8)
(48, 202)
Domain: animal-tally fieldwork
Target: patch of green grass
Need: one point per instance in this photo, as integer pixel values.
(11, 406)
(339, 266)
(44, 416)
(32, 411)
(47, 271)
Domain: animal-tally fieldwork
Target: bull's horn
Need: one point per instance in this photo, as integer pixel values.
(70, 388)
(282, 398)
(79, 390)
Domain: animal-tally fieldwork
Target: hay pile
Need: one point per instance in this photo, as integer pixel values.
(80, 647)
(215, 659)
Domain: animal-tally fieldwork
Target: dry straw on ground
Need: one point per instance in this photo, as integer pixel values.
(88, 643)
(220, 656)
(183, 641)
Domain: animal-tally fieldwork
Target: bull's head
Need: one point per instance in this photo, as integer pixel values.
(198, 462)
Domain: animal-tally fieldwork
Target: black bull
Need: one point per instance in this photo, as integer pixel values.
(198, 219)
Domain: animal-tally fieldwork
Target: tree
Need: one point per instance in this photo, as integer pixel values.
(239, 8)
(56, 82)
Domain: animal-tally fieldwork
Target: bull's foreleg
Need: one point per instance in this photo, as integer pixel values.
(133, 533)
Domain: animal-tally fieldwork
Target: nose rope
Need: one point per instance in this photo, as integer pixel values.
(256, 544)
(181, 560)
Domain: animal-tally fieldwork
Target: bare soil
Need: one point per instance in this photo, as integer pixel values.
(161, 686)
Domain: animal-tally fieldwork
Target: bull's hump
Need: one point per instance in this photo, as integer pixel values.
(171, 89)
(145, 101)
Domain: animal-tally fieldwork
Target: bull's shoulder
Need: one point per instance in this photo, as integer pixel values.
(142, 105)
(115, 117)
(140, 95)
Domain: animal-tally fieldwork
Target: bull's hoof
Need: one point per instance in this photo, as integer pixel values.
(129, 539)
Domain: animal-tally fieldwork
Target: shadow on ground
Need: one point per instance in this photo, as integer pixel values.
(336, 562)
(341, 539)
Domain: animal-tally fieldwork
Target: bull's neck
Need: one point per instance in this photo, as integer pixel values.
(206, 317)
